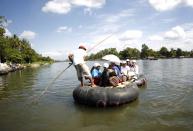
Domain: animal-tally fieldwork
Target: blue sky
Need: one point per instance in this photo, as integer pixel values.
(55, 27)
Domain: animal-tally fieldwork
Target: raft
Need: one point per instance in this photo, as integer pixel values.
(106, 96)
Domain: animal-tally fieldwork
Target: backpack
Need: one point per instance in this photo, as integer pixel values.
(114, 81)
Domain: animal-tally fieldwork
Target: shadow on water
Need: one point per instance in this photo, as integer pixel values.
(86, 108)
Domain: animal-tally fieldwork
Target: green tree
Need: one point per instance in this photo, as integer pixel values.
(3, 23)
(144, 51)
(191, 53)
(15, 50)
(172, 53)
(164, 52)
(129, 53)
(102, 53)
(153, 53)
(178, 52)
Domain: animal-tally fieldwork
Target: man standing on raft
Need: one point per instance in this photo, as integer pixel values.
(78, 59)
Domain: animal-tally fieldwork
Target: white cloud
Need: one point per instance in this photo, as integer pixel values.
(189, 2)
(64, 29)
(131, 34)
(5, 26)
(57, 6)
(175, 33)
(163, 5)
(155, 38)
(28, 34)
(89, 3)
(57, 55)
(7, 32)
(105, 41)
(64, 6)
(178, 37)
(118, 16)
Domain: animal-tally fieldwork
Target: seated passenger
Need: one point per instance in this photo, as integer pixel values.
(128, 62)
(96, 73)
(105, 76)
(116, 68)
(108, 77)
(134, 69)
(125, 70)
(117, 71)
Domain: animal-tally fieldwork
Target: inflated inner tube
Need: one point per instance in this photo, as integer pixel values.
(105, 96)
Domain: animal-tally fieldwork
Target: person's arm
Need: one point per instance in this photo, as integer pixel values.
(70, 57)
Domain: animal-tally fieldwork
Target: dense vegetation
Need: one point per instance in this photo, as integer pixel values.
(145, 53)
(16, 50)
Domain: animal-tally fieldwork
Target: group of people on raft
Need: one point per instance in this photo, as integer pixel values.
(112, 74)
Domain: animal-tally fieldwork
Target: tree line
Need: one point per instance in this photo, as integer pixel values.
(16, 50)
(145, 53)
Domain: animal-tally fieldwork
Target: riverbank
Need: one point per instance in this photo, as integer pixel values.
(7, 68)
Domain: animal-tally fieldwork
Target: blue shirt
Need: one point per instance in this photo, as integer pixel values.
(96, 73)
(117, 70)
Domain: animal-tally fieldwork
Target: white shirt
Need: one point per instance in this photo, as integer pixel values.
(79, 55)
(125, 70)
(135, 69)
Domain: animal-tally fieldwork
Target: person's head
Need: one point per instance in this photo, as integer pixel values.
(82, 46)
(112, 64)
(97, 65)
(123, 63)
(128, 62)
(106, 65)
(134, 62)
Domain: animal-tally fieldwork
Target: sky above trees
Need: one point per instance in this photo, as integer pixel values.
(55, 27)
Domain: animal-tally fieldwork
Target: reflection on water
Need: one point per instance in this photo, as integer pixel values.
(166, 103)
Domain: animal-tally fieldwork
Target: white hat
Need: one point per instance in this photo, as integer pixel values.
(106, 65)
(134, 61)
(97, 64)
(127, 60)
(123, 62)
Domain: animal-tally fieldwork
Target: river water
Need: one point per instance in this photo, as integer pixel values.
(164, 105)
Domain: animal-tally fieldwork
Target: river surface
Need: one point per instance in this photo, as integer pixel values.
(166, 103)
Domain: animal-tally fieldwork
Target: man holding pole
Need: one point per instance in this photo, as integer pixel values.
(78, 59)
